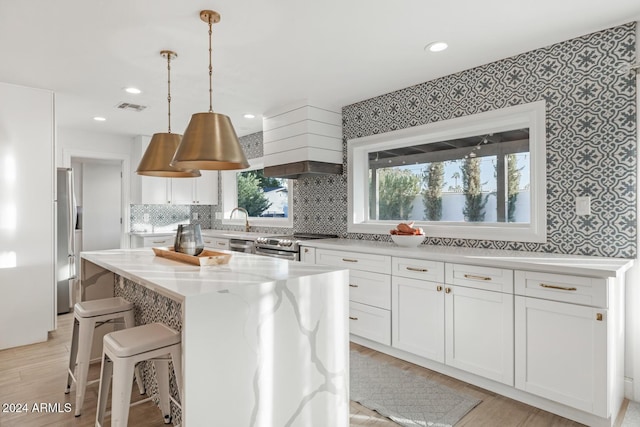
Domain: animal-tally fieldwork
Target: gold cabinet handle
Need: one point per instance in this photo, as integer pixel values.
(599, 317)
(222, 244)
(471, 276)
(562, 288)
(349, 260)
(306, 250)
(159, 241)
(420, 270)
(207, 241)
(353, 318)
(447, 290)
(352, 285)
(438, 288)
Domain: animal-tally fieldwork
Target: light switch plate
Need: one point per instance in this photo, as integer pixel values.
(194, 215)
(145, 217)
(583, 205)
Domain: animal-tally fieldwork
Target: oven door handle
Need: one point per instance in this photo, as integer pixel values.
(291, 256)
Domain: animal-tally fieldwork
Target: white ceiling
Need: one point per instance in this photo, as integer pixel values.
(266, 53)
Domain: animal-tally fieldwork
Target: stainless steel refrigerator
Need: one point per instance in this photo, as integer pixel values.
(65, 238)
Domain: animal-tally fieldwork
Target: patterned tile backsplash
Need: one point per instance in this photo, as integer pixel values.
(591, 144)
(167, 217)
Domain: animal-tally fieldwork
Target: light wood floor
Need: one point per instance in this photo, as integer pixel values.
(37, 374)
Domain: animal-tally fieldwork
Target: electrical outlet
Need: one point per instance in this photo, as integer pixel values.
(195, 215)
(145, 217)
(218, 215)
(583, 205)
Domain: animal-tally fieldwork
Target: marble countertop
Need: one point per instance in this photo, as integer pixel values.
(180, 280)
(540, 261)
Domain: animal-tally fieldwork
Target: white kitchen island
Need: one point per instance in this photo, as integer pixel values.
(265, 341)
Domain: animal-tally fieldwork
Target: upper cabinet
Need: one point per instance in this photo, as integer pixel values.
(205, 189)
(148, 190)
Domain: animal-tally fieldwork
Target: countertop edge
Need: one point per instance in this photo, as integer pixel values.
(539, 261)
(133, 277)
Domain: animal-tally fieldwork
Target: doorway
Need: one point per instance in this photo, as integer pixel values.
(101, 203)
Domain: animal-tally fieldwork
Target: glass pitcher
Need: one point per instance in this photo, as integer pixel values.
(189, 239)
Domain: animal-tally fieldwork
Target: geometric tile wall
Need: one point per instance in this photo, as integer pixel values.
(163, 217)
(591, 139)
(591, 143)
(151, 307)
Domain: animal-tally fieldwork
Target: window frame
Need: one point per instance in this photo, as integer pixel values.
(531, 116)
(229, 200)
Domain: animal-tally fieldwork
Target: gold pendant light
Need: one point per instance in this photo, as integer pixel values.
(155, 161)
(210, 142)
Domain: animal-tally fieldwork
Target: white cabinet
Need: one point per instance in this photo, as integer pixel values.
(479, 332)
(181, 191)
(369, 292)
(469, 329)
(205, 190)
(418, 317)
(215, 243)
(561, 346)
(152, 190)
(151, 241)
(373, 289)
(202, 190)
(308, 255)
(355, 260)
(370, 322)
(547, 338)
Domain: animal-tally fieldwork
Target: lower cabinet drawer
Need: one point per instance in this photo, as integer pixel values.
(158, 241)
(562, 287)
(370, 322)
(370, 288)
(474, 276)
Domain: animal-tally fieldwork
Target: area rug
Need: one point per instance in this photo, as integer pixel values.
(405, 398)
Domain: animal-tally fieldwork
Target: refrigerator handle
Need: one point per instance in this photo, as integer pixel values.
(71, 225)
(72, 267)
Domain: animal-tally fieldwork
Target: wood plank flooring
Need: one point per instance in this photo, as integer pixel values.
(37, 374)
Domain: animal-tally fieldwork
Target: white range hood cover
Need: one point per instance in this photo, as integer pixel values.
(302, 139)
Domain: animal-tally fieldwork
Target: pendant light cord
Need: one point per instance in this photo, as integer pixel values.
(169, 92)
(210, 68)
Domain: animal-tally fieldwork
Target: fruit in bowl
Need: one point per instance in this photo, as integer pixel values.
(406, 235)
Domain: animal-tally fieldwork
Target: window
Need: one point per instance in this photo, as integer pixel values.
(477, 177)
(267, 200)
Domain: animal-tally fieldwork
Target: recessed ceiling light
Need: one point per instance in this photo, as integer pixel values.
(249, 116)
(436, 46)
(99, 119)
(133, 90)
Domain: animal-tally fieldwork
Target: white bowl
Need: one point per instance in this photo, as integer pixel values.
(407, 241)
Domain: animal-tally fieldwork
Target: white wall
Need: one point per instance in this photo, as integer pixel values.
(75, 141)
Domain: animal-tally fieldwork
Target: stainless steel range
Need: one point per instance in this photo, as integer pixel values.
(286, 247)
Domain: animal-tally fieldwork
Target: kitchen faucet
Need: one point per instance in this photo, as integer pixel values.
(246, 217)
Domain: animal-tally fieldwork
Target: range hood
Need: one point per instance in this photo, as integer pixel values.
(300, 140)
(305, 167)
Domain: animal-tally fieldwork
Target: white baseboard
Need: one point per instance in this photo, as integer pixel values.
(628, 388)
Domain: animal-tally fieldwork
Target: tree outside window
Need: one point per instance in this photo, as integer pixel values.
(257, 193)
(397, 190)
(433, 180)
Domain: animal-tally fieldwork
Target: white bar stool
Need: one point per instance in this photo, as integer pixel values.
(121, 351)
(88, 315)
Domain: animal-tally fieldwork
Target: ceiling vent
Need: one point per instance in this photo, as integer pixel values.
(131, 107)
(300, 140)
